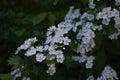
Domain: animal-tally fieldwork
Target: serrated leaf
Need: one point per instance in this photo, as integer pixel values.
(5, 77)
(100, 60)
(39, 18)
(16, 62)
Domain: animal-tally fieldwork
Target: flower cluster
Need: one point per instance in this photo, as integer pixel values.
(82, 59)
(91, 4)
(52, 69)
(90, 78)
(86, 35)
(108, 73)
(27, 44)
(16, 73)
(26, 78)
(106, 15)
(57, 40)
(117, 2)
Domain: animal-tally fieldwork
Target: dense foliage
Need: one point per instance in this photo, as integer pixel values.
(20, 20)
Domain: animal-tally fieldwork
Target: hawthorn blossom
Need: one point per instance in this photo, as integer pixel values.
(30, 52)
(40, 57)
(52, 69)
(108, 73)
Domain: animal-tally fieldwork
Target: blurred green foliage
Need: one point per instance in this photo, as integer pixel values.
(22, 19)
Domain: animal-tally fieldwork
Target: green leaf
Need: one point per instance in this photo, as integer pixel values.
(50, 61)
(20, 15)
(98, 42)
(68, 60)
(52, 19)
(55, 2)
(36, 70)
(20, 32)
(73, 46)
(36, 33)
(114, 46)
(100, 60)
(88, 72)
(84, 1)
(39, 18)
(16, 62)
(110, 29)
(5, 77)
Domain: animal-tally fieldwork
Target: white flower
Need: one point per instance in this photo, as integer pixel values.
(75, 58)
(99, 15)
(117, 2)
(26, 78)
(82, 59)
(57, 39)
(79, 35)
(90, 78)
(52, 69)
(60, 56)
(89, 65)
(16, 73)
(90, 59)
(105, 21)
(46, 47)
(52, 28)
(50, 57)
(92, 43)
(97, 27)
(39, 48)
(52, 52)
(66, 41)
(48, 40)
(40, 57)
(80, 49)
(27, 44)
(90, 17)
(117, 20)
(108, 73)
(86, 40)
(72, 15)
(91, 6)
(51, 48)
(31, 52)
(114, 36)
